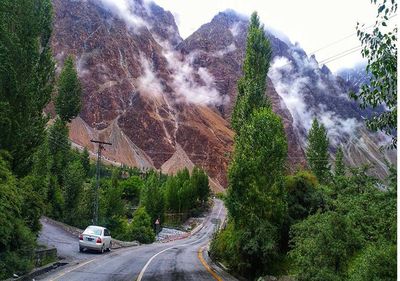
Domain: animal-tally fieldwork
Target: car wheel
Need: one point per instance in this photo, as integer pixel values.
(102, 249)
(80, 249)
(109, 247)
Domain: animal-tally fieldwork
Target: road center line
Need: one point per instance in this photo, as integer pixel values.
(139, 278)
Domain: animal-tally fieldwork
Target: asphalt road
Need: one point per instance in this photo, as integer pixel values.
(184, 259)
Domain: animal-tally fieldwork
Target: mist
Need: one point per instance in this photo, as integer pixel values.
(293, 81)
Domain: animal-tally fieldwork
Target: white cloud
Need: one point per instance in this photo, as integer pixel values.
(148, 83)
(235, 29)
(124, 9)
(314, 23)
(227, 50)
(292, 87)
(184, 84)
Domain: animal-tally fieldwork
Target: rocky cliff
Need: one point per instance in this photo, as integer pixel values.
(165, 102)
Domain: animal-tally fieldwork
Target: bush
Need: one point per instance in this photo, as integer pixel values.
(17, 241)
(141, 228)
(224, 247)
(322, 246)
(376, 262)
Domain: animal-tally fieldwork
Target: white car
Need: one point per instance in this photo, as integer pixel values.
(95, 238)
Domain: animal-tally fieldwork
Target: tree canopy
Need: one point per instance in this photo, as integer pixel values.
(68, 102)
(317, 151)
(26, 77)
(380, 49)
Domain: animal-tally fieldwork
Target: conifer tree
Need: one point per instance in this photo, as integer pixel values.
(68, 102)
(317, 151)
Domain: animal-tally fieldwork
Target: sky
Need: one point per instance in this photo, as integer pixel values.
(314, 24)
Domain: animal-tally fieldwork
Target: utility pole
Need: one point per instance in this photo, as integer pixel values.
(96, 200)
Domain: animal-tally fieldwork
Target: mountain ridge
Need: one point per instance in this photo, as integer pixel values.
(159, 94)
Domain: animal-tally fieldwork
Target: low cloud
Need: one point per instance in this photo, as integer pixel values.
(125, 10)
(227, 50)
(185, 77)
(148, 82)
(293, 82)
(185, 84)
(235, 29)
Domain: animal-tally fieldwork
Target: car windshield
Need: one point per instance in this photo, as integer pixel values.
(92, 230)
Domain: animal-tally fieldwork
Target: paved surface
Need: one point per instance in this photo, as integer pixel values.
(183, 259)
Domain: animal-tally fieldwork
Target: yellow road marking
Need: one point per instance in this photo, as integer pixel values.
(209, 269)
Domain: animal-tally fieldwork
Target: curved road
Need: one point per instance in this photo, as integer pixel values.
(184, 259)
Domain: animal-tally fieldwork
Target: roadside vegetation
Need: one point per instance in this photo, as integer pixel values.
(326, 221)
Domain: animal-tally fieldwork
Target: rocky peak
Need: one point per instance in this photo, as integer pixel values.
(164, 100)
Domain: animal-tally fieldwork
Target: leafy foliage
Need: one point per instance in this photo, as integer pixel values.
(73, 187)
(152, 198)
(68, 102)
(317, 151)
(255, 200)
(17, 241)
(304, 197)
(359, 231)
(26, 78)
(380, 49)
(141, 227)
(340, 168)
(252, 86)
(323, 244)
(375, 262)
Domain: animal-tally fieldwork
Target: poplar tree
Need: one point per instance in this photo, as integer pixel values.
(255, 201)
(340, 168)
(26, 78)
(68, 102)
(317, 151)
(252, 85)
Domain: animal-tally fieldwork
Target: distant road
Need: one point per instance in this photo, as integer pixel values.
(184, 259)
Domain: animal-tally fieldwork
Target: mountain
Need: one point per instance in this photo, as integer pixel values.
(355, 76)
(165, 103)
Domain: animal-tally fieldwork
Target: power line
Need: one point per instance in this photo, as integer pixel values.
(346, 37)
(340, 55)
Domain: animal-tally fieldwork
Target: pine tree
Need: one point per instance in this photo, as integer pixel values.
(252, 86)
(340, 168)
(317, 151)
(26, 78)
(68, 102)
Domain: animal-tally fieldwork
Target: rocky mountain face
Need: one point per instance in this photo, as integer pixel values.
(356, 76)
(165, 103)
